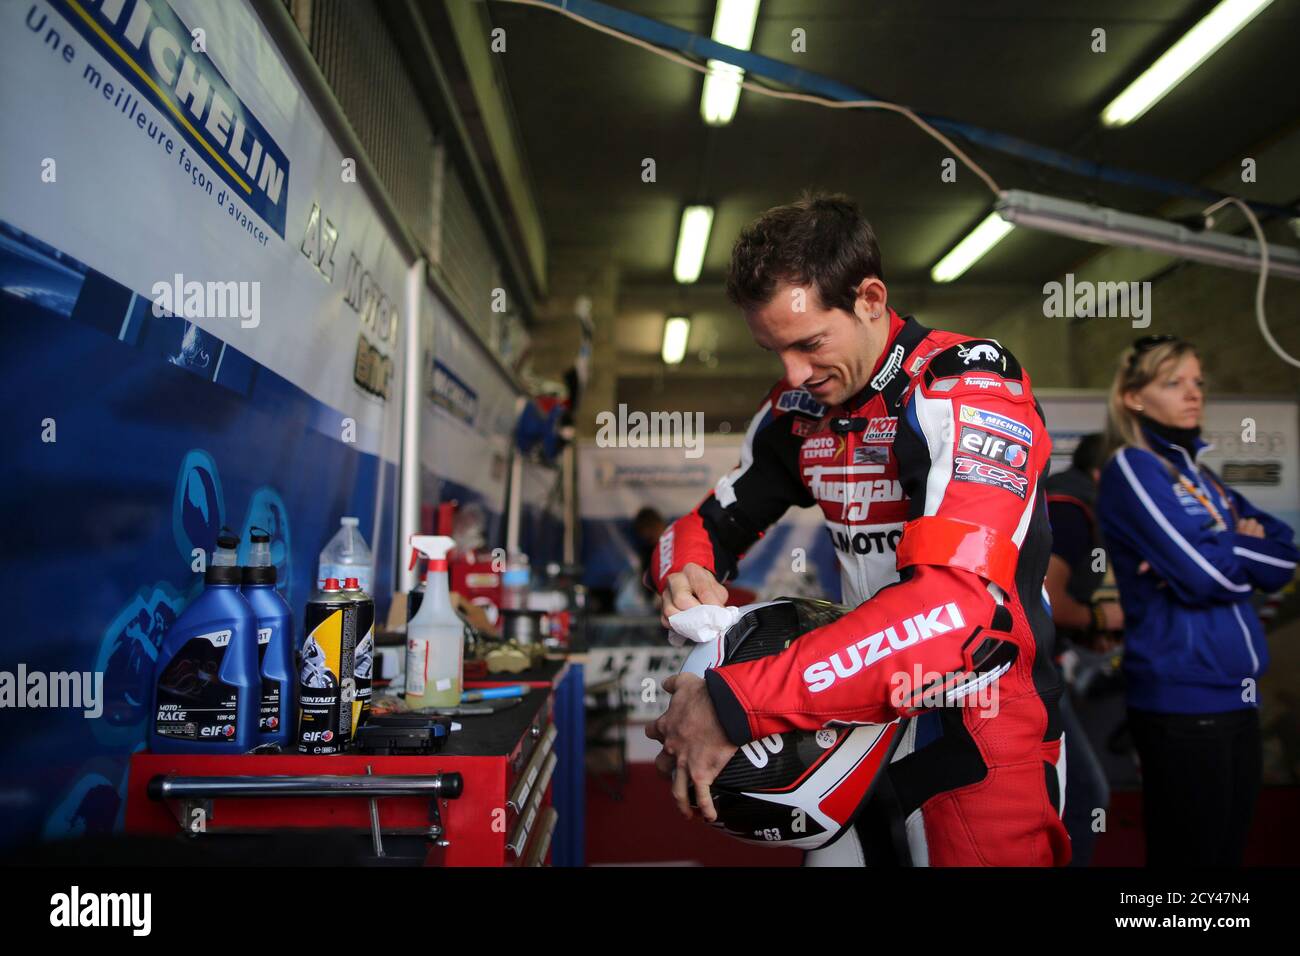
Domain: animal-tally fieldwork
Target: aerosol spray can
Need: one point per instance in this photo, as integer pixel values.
(326, 676)
(364, 658)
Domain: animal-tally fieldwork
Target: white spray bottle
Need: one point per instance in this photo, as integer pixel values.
(435, 637)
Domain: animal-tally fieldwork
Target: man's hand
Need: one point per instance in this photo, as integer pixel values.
(695, 744)
(691, 586)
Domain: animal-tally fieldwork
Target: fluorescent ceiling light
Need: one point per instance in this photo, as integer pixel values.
(692, 241)
(733, 24)
(1115, 228)
(677, 331)
(971, 249)
(1197, 45)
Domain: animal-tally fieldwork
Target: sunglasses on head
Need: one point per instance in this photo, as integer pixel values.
(1147, 343)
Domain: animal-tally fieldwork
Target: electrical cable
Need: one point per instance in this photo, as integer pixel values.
(777, 94)
(1260, 318)
(764, 90)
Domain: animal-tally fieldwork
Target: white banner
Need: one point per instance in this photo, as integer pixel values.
(468, 411)
(614, 483)
(1254, 441)
(204, 180)
(794, 558)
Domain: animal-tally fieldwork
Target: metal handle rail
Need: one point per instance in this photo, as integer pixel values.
(192, 791)
(537, 855)
(518, 798)
(446, 785)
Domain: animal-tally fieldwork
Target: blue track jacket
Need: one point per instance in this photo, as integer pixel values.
(1192, 638)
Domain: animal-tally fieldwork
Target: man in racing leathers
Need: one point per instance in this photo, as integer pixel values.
(925, 451)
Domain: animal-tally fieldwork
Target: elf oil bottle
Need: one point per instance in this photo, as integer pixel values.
(364, 658)
(275, 643)
(206, 688)
(326, 684)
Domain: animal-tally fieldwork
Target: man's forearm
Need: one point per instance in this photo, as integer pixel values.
(850, 671)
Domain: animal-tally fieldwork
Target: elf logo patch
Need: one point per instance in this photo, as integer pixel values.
(981, 443)
(878, 646)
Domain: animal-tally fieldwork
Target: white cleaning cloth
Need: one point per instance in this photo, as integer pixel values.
(702, 623)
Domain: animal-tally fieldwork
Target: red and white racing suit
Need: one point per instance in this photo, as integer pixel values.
(930, 483)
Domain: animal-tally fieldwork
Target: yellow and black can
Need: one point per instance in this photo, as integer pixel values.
(326, 672)
(364, 658)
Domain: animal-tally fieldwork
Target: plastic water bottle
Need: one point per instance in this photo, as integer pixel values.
(347, 556)
(514, 583)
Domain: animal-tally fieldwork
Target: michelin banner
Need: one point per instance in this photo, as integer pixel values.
(466, 422)
(204, 322)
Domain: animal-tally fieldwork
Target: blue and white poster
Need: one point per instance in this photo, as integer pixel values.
(1254, 443)
(203, 314)
(467, 418)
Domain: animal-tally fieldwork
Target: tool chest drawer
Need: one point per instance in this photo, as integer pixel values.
(483, 800)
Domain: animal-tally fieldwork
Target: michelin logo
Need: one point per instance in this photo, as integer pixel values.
(151, 47)
(878, 646)
(996, 423)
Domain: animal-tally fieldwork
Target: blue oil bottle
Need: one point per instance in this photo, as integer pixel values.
(206, 688)
(275, 642)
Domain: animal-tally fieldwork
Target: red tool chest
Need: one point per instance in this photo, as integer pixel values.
(502, 817)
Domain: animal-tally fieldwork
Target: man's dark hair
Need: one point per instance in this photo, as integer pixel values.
(822, 239)
(1089, 454)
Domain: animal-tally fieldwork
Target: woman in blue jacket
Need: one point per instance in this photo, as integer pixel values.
(1188, 554)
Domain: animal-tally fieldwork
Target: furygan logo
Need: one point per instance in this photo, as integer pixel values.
(891, 368)
(878, 646)
(844, 486)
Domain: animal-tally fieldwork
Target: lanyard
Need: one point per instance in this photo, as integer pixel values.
(1204, 499)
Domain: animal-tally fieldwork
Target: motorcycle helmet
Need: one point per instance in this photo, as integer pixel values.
(800, 789)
